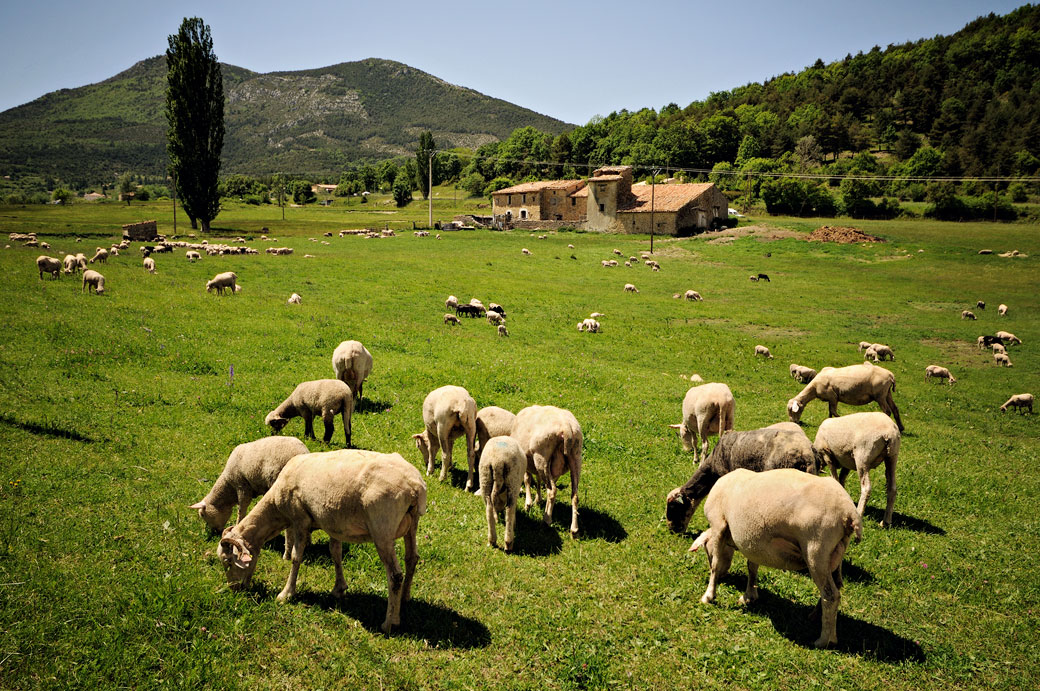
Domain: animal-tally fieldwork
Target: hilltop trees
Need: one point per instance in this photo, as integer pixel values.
(195, 114)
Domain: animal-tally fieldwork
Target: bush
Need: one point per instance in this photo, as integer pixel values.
(1017, 192)
(797, 198)
(402, 190)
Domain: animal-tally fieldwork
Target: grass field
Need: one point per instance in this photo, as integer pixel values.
(118, 412)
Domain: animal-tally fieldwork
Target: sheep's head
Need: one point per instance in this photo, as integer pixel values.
(422, 442)
(213, 517)
(678, 510)
(275, 421)
(794, 410)
(238, 561)
(681, 430)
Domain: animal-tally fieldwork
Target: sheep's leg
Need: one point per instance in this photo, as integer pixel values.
(492, 517)
(411, 559)
(244, 497)
(890, 489)
(575, 474)
(510, 519)
(446, 442)
(550, 499)
(471, 435)
(394, 581)
(895, 411)
(704, 427)
(300, 537)
(308, 424)
(864, 485)
(336, 550)
(720, 555)
(832, 408)
(830, 594)
(345, 415)
(751, 592)
(329, 419)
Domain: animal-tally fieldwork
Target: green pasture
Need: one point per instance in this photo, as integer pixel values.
(119, 411)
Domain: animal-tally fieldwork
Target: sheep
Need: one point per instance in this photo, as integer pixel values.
(783, 519)
(525, 251)
(764, 277)
(968, 314)
(676, 296)
(878, 352)
(92, 279)
(192, 256)
(250, 471)
(756, 449)
(149, 265)
(294, 299)
(1011, 338)
(70, 264)
(655, 267)
(618, 252)
(707, 411)
(495, 307)
(987, 341)
(861, 442)
(448, 413)
(998, 348)
(1002, 310)
(501, 477)
(628, 264)
(1002, 359)
(101, 255)
(590, 325)
(854, 385)
(354, 496)
(502, 331)
(1020, 401)
(605, 263)
(980, 305)
(763, 351)
(451, 303)
(222, 281)
(633, 260)
(570, 247)
(863, 345)
(551, 439)
(351, 364)
(693, 295)
(494, 318)
(324, 398)
(48, 265)
(597, 315)
(753, 277)
(491, 421)
(802, 374)
(451, 319)
(470, 310)
(629, 288)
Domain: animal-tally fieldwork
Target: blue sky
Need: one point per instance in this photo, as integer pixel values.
(570, 60)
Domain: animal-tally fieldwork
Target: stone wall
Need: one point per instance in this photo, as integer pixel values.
(145, 231)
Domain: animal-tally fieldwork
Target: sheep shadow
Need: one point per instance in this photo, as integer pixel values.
(45, 429)
(368, 405)
(854, 574)
(800, 624)
(901, 520)
(439, 626)
(533, 537)
(315, 553)
(592, 523)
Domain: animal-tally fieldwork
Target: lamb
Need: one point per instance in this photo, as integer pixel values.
(940, 373)
(757, 449)
(92, 279)
(448, 413)
(494, 318)
(351, 364)
(294, 299)
(502, 331)
(48, 265)
(324, 398)
(980, 305)
(149, 265)
(1020, 401)
(551, 439)
(1002, 309)
(1011, 338)
(1002, 359)
(222, 281)
(802, 374)
(879, 352)
(492, 421)
(782, 519)
(629, 288)
(250, 471)
(451, 319)
(451, 303)
(763, 351)
(192, 256)
(693, 295)
(707, 411)
(861, 442)
(968, 314)
(354, 496)
(501, 476)
(854, 385)
(101, 256)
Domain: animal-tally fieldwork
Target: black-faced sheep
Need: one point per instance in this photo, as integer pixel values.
(324, 398)
(854, 385)
(551, 439)
(448, 413)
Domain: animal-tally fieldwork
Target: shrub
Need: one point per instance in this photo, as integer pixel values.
(402, 190)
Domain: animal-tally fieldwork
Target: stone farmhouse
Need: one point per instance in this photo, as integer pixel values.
(609, 201)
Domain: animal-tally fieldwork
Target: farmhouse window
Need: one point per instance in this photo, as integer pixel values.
(509, 200)
(523, 213)
(601, 208)
(573, 201)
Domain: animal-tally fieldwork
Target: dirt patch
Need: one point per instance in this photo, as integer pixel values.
(760, 233)
(842, 235)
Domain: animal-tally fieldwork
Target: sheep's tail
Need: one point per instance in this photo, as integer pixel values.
(853, 525)
(418, 507)
(572, 446)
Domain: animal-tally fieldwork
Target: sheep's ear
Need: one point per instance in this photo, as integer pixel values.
(673, 495)
(200, 505)
(417, 436)
(794, 406)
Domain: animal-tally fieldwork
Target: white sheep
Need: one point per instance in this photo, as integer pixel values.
(861, 442)
(1002, 359)
(494, 318)
(552, 441)
(854, 385)
(879, 352)
(629, 288)
(707, 411)
(753, 277)
(1020, 401)
(525, 251)
(451, 319)
(590, 325)
(693, 295)
(783, 519)
(70, 263)
(492, 421)
(222, 281)
(250, 471)
(324, 398)
(448, 413)
(351, 364)
(998, 348)
(92, 279)
(628, 264)
(1002, 309)
(597, 315)
(618, 252)
(501, 477)
(968, 314)
(940, 373)
(192, 256)
(149, 265)
(451, 303)
(48, 265)
(81, 259)
(802, 374)
(1011, 338)
(294, 299)
(763, 351)
(605, 263)
(863, 345)
(502, 331)
(101, 256)
(354, 496)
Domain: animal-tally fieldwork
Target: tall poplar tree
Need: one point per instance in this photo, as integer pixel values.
(422, 161)
(195, 113)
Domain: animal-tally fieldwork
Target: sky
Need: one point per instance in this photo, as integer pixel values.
(569, 60)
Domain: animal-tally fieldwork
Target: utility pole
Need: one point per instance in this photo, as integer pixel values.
(429, 195)
(747, 194)
(653, 187)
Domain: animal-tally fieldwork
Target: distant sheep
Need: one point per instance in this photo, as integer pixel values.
(763, 351)
(590, 325)
(525, 251)
(70, 263)
(939, 373)
(1009, 338)
(878, 352)
(294, 299)
(802, 374)
(502, 331)
(451, 319)
(968, 314)
(998, 348)
(222, 282)
(1002, 359)
(1020, 401)
(753, 277)
(192, 256)
(101, 256)
(451, 303)
(980, 305)
(48, 265)
(92, 279)
(149, 265)
(693, 295)
(629, 288)
(495, 318)
(1002, 309)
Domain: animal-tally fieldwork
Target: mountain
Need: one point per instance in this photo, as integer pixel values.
(310, 121)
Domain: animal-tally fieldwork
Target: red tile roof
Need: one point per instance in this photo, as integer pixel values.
(526, 187)
(665, 197)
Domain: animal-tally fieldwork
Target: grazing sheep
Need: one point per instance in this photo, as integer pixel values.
(940, 373)
(863, 345)
(351, 364)
(448, 413)
(693, 295)
(783, 519)
(707, 411)
(764, 277)
(655, 267)
(250, 471)
(494, 318)
(629, 288)
(1011, 338)
(1020, 401)
(628, 264)
(998, 348)
(495, 307)
(192, 256)
(502, 331)
(570, 247)
(92, 279)
(1002, 359)
(590, 325)
(861, 442)
(492, 421)
(987, 341)
(802, 374)
(878, 352)
(451, 319)
(71, 263)
(48, 265)
(501, 477)
(525, 251)
(294, 299)
(756, 449)
(968, 314)
(470, 310)
(222, 281)
(1002, 309)
(854, 385)
(354, 496)
(618, 252)
(100, 256)
(324, 398)
(763, 351)
(753, 277)
(149, 265)
(985, 251)
(551, 439)
(980, 305)
(597, 315)
(451, 303)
